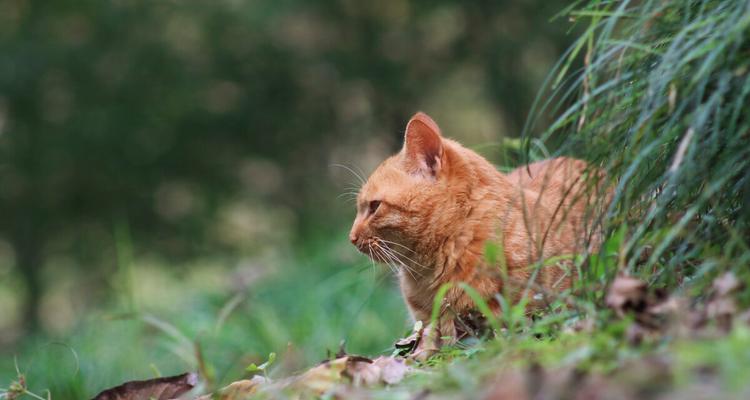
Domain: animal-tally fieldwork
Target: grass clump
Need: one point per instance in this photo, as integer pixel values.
(661, 102)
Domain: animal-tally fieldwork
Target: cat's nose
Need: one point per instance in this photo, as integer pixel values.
(353, 238)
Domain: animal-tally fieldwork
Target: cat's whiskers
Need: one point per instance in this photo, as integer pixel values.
(383, 256)
(394, 261)
(397, 244)
(386, 260)
(351, 190)
(351, 196)
(401, 254)
(406, 266)
(356, 175)
(372, 262)
(361, 172)
(391, 256)
(377, 251)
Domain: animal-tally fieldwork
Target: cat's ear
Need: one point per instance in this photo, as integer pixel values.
(423, 146)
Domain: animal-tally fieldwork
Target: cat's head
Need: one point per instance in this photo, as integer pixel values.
(405, 203)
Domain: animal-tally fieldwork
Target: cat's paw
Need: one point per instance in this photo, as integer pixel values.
(424, 342)
(428, 345)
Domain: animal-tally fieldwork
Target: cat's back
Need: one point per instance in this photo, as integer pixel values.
(560, 195)
(555, 172)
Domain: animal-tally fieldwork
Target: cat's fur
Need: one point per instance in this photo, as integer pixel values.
(432, 208)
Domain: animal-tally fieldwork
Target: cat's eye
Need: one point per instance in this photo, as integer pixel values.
(373, 206)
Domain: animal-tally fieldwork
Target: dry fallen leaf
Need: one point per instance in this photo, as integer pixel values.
(423, 343)
(351, 370)
(627, 294)
(408, 344)
(242, 389)
(322, 378)
(392, 370)
(722, 306)
(652, 309)
(152, 389)
(726, 284)
(361, 371)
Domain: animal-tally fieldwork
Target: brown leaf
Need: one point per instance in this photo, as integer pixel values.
(722, 306)
(722, 310)
(672, 305)
(627, 294)
(350, 371)
(242, 389)
(326, 376)
(361, 371)
(423, 343)
(726, 284)
(408, 344)
(158, 389)
(323, 377)
(392, 370)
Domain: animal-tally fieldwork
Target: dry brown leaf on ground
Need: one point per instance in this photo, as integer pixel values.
(627, 294)
(352, 370)
(165, 388)
(408, 344)
(651, 309)
(726, 284)
(722, 306)
(322, 378)
(422, 344)
(654, 312)
(240, 389)
(360, 371)
(392, 370)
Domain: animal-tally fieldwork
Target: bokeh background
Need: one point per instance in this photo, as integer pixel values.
(171, 172)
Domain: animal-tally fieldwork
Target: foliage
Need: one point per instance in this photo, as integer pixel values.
(662, 103)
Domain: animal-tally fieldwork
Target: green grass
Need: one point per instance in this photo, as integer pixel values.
(467, 373)
(300, 310)
(661, 102)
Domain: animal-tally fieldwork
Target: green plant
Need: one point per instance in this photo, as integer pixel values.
(661, 102)
(19, 388)
(262, 367)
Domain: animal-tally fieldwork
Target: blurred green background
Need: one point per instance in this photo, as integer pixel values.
(170, 188)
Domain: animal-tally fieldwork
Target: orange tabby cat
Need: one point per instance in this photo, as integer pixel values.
(432, 208)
